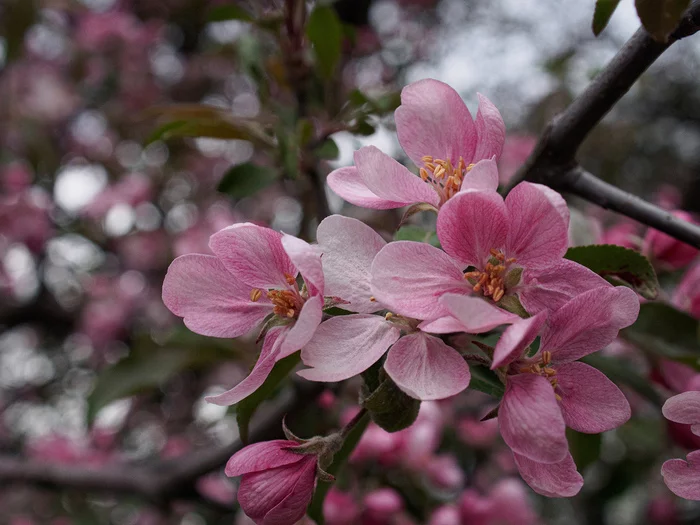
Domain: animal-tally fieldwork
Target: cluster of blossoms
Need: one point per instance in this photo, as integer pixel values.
(500, 263)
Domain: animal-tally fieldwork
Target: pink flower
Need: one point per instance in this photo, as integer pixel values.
(516, 150)
(252, 274)
(381, 505)
(623, 234)
(671, 252)
(339, 508)
(551, 390)
(452, 151)
(445, 515)
(511, 247)
(687, 294)
(683, 477)
(276, 483)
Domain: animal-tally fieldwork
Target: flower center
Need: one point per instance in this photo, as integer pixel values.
(445, 178)
(491, 280)
(543, 368)
(286, 303)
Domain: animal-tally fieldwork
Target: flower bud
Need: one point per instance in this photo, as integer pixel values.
(445, 515)
(339, 508)
(382, 504)
(671, 252)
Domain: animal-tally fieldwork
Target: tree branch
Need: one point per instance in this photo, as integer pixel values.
(553, 161)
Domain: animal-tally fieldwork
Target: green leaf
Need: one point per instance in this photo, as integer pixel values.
(416, 233)
(246, 408)
(246, 179)
(620, 266)
(622, 373)
(661, 17)
(325, 33)
(148, 369)
(315, 510)
(222, 13)
(603, 11)
(666, 332)
(486, 381)
(328, 150)
(388, 406)
(585, 448)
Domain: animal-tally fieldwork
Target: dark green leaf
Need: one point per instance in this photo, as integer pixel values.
(620, 266)
(328, 150)
(148, 369)
(364, 128)
(388, 102)
(325, 33)
(486, 381)
(661, 17)
(316, 507)
(622, 373)
(417, 234)
(585, 448)
(389, 407)
(603, 11)
(222, 13)
(663, 331)
(246, 408)
(246, 179)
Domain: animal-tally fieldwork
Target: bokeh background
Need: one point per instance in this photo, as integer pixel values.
(103, 185)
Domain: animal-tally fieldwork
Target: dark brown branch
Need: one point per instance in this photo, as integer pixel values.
(159, 482)
(553, 160)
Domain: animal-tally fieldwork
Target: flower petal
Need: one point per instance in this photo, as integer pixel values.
(304, 327)
(349, 246)
(408, 277)
(589, 322)
(347, 183)
(472, 223)
(530, 419)
(433, 120)
(538, 233)
(490, 130)
(683, 478)
(293, 507)
(683, 408)
(254, 254)
(441, 325)
(307, 259)
(268, 356)
(346, 345)
(211, 300)
(391, 180)
(475, 314)
(516, 338)
(550, 287)
(590, 402)
(483, 176)
(261, 456)
(554, 480)
(426, 368)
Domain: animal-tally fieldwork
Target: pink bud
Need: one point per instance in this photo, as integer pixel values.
(663, 511)
(276, 484)
(445, 473)
(339, 508)
(382, 504)
(474, 508)
(667, 250)
(478, 434)
(622, 234)
(446, 515)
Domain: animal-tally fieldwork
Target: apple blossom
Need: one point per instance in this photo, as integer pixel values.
(683, 477)
(450, 157)
(665, 249)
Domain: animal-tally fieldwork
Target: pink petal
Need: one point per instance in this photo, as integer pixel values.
(261, 456)
(475, 314)
(349, 247)
(253, 254)
(530, 419)
(278, 496)
(304, 327)
(472, 223)
(426, 368)
(307, 259)
(441, 325)
(347, 345)
(408, 277)
(390, 180)
(516, 338)
(683, 408)
(590, 402)
(347, 183)
(511, 502)
(550, 287)
(268, 356)
(676, 376)
(589, 322)
(483, 176)
(433, 120)
(554, 480)
(538, 234)
(490, 130)
(211, 300)
(683, 478)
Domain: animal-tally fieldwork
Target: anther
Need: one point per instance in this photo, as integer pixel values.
(424, 174)
(388, 316)
(255, 294)
(290, 278)
(372, 299)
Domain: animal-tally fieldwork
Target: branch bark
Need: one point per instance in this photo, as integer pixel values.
(553, 161)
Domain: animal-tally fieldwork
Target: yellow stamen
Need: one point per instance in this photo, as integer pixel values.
(388, 316)
(372, 299)
(255, 295)
(290, 278)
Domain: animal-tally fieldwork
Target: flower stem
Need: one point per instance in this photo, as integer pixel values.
(353, 422)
